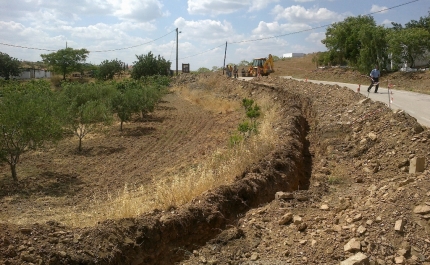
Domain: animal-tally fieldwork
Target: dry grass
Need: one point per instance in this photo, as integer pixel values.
(223, 166)
(207, 101)
(338, 176)
(181, 187)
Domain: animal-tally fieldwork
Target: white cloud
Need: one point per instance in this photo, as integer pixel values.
(316, 37)
(387, 23)
(257, 5)
(206, 30)
(215, 7)
(376, 8)
(21, 34)
(138, 10)
(300, 14)
(270, 29)
(68, 12)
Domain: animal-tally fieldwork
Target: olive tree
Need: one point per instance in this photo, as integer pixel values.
(126, 100)
(108, 69)
(134, 96)
(28, 118)
(86, 105)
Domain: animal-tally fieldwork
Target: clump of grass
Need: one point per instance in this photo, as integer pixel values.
(333, 180)
(337, 176)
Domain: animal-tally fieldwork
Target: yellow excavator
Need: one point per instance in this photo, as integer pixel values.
(264, 65)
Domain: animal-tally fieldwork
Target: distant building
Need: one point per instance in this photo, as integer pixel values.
(293, 55)
(185, 68)
(29, 73)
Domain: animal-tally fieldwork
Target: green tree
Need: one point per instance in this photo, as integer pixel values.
(86, 106)
(9, 66)
(409, 45)
(28, 119)
(275, 58)
(108, 69)
(358, 41)
(203, 70)
(148, 65)
(244, 63)
(423, 22)
(252, 112)
(127, 100)
(66, 60)
(374, 48)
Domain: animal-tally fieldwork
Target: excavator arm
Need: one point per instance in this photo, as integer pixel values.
(268, 65)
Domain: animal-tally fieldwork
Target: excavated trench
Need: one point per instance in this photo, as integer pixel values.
(168, 237)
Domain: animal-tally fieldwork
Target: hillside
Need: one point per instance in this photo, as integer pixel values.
(336, 182)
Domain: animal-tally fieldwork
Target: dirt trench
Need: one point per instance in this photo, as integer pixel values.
(169, 237)
(160, 238)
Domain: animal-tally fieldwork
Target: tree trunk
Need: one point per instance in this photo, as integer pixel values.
(120, 128)
(80, 144)
(13, 170)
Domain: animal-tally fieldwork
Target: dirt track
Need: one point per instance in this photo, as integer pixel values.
(343, 152)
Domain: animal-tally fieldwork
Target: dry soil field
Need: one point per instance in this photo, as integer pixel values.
(171, 190)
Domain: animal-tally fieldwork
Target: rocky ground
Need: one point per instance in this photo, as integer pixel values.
(340, 188)
(362, 207)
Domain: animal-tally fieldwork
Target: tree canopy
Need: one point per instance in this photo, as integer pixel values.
(108, 69)
(148, 65)
(86, 105)
(66, 60)
(28, 119)
(357, 40)
(409, 45)
(9, 66)
(361, 43)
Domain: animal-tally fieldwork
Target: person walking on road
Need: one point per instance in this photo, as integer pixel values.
(374, 76)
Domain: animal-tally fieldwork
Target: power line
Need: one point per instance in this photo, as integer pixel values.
(97, 51)
(126, 48)
(323, 26)
(301, 31)
(237, 42)
(202, 52)
(25, 47)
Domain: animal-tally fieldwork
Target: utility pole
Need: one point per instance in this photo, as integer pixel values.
(177, 33)
(225, 54)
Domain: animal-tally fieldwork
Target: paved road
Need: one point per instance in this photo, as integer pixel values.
(415, 104)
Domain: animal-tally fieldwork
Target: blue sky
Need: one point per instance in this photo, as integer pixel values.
(205, 25)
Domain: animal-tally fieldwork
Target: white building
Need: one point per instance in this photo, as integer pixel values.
(293, 55)
(33, 73)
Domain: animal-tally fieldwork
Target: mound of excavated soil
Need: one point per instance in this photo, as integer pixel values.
(343, 165)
